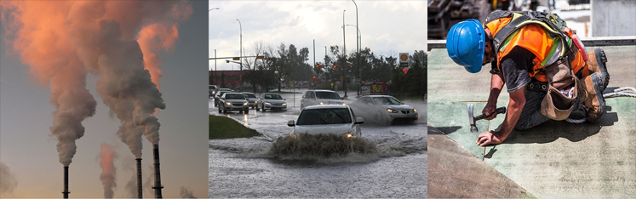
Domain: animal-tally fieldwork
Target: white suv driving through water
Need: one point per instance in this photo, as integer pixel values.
(320, 97)
(326, 119)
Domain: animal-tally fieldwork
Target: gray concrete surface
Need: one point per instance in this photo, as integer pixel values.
(555, 159)
(613, 18)
(454, 172)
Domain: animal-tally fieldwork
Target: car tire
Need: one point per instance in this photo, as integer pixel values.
(246, 111)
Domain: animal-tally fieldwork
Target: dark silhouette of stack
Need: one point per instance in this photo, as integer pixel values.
(65, 192)
(158, 185)
(139, 188)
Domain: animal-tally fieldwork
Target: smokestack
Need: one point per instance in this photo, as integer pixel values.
(158, 185)
(65, 192)
(139, 188)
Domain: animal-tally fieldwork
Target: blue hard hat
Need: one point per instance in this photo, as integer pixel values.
(465, 44)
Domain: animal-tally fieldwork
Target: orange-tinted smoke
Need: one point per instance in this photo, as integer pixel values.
(109, 172)
(35, 30)
(152, 39)
(161, 36)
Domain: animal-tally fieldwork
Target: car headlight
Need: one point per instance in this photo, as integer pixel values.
(414, 110)
(245, 104)
(227, 103)
(284, 104)
(255, 101)
(391, 110)
(321, 103)
(343, 103)
(349, 135)
(268, 103)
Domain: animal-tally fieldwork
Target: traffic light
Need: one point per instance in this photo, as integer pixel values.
(314, 79)
(335, 66)
(317, 66)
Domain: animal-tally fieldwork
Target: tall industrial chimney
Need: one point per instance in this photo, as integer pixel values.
(65, 192)
(139, 188)
(158, 185)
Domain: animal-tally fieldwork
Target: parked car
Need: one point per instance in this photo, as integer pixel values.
(320, 97)
(212, 90)
(383, 109)
(220, 92)
(231, 101)
(326, 119)
(251, 99)
(271, 101)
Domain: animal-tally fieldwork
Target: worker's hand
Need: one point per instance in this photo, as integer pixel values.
(489, 111)
(488, 138)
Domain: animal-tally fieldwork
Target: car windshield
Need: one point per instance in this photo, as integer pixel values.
(250, 95)
(386, 101)
(327, 95)
(273, 96)
(324, 116)
(234, 96)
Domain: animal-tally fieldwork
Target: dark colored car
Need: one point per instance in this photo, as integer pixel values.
(220, 92)
(232, 101)
(251, 99)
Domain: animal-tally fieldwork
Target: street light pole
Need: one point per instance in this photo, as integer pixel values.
(344, 54)
(358, 46)
(240, 52)
(214, 66)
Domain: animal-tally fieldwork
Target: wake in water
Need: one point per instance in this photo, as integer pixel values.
(323, 148)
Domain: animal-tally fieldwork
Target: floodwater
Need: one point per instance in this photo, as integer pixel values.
(244, 168)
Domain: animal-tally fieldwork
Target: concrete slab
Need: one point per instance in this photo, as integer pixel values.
(454, 172)
(555, 159)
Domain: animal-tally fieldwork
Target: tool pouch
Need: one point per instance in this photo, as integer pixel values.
(556, 105)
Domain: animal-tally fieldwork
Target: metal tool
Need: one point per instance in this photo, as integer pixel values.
(472, 119)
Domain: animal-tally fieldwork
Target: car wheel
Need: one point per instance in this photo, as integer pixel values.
(247, 111)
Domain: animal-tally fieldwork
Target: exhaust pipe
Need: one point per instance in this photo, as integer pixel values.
(158, 185)
(139, 186)
(65, 192)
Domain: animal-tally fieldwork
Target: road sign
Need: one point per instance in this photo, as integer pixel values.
(404, 59)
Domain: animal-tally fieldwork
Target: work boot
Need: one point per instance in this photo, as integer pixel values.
(596, 63)
(595, 103)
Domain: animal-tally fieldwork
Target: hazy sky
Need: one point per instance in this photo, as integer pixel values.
(29, 151)
(387, 27)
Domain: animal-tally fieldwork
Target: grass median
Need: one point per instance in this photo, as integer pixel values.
(226, 128)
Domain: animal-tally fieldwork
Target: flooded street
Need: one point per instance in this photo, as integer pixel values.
(244, 168)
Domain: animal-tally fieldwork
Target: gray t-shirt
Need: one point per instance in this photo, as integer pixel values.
(515, 67)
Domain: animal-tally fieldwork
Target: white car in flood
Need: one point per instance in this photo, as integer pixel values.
(326, 119)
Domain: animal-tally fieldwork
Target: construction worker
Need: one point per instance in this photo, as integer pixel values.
(545, 70)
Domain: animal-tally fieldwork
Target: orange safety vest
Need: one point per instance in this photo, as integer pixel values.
(533, 37)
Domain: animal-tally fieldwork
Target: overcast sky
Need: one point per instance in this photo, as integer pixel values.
(387, 27)
(28, 149)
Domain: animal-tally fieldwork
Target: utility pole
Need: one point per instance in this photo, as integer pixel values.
(214, 67)
(344, 56)
(358, 46)
(241, 53)
(314, 46)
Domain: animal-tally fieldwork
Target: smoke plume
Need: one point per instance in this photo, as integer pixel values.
(109, 172)
(186, 194)
(129, 165)
(35, 30)
(118, 41)
(8, 181)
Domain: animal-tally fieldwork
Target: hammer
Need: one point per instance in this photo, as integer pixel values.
(472, 119)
